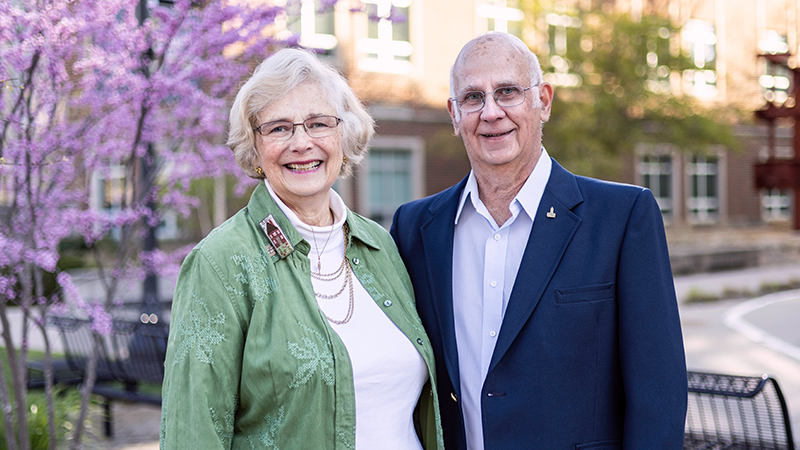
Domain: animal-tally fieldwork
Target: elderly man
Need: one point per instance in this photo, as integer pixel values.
(548, 296)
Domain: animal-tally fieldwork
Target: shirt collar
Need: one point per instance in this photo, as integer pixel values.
(264, 202)
(337, 206)
(528, 196)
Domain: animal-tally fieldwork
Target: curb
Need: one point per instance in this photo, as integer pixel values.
(734, 319)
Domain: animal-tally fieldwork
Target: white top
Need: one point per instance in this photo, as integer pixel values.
(485, 263)
(388, 371)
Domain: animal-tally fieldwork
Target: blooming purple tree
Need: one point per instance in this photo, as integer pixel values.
(87, 87)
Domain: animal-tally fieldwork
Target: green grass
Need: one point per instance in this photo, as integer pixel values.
(66, 403)
(699, 296)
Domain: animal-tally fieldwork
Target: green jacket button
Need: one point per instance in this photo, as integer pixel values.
(387, 303)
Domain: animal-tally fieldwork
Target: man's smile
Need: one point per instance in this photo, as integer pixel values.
(496, 134)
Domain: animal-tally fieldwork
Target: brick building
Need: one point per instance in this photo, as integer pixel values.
(401, 70)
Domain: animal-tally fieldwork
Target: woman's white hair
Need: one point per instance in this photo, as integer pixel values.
(271, 81)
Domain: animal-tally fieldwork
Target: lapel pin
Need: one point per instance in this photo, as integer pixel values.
(280, 244)
(551, 214)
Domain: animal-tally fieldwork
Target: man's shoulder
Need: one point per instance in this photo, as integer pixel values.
(597, 184)
(612, 195)
(433, 202)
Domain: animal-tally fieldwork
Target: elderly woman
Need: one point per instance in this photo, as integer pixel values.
(293, 323)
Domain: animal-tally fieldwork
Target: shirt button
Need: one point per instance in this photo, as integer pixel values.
(356, 261)
(419, 341)
(493, 284)
(492, 334)
(387, 303)
(496, 237)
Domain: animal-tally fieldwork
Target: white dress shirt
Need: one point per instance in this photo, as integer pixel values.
(485, 263)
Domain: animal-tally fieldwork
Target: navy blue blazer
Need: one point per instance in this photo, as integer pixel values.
(590, 352)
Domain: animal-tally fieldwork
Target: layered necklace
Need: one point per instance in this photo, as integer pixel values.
(316, 246)
(344, 269)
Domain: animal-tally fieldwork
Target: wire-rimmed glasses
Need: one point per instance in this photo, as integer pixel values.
(315, 127)
(505, 96)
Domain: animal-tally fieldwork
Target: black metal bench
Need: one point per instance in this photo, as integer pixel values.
(132, 354)
(730, 412)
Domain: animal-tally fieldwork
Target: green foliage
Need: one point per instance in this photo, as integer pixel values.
(66, 401)
(615, 82)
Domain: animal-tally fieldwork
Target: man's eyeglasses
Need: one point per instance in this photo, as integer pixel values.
(506, 96)
(281, 130)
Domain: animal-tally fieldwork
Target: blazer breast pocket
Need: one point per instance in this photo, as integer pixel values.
(590, 293)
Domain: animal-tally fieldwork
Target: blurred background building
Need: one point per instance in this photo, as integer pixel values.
(397, 55)
(399, 65)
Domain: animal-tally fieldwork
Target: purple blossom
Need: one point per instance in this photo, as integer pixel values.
(395, 16)
(102, 323)
(70, 290)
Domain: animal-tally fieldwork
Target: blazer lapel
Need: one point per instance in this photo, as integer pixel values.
(546, 245)
(437, 240)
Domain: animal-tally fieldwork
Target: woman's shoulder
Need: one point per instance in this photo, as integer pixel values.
(369, 228)
(237, 235)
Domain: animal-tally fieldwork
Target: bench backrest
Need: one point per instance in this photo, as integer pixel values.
(736, 412)
(134, 352)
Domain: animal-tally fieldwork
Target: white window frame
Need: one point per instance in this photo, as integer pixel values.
(776, 204)
(415, 145)
(703, 209)
(384, 46)
(309, 38)
(667, 201)
(698, 35)
(561, 75)
(776, 80)
(501, 13)
(117, 176)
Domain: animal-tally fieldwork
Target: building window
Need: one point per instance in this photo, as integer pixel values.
(776, 78)
(391, 176)
(655, 172)
(389, 183)
(776, 204)
(703, 201)
(315, 26)
(558, 24)
(502, 15)
(387, 46)
(700, 39)
(773, 43)
(112, 191)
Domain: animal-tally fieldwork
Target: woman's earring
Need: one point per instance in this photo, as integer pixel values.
(260, 172)
(344, 160)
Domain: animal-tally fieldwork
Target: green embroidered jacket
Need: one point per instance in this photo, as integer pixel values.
(252, 362)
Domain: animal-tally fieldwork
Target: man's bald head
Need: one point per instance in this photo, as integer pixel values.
(486, 45)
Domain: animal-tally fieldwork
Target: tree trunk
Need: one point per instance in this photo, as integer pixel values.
(90, 375)
(48, 383)
(17, 361)
(5, 398)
